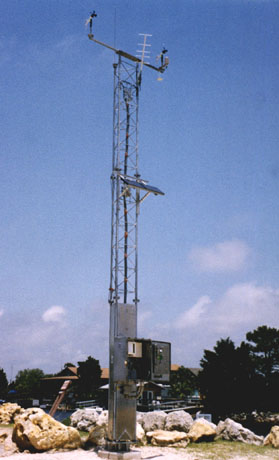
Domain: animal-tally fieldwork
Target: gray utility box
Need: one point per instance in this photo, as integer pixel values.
(148, 360)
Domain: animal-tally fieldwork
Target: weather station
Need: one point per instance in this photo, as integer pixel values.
(132, 360)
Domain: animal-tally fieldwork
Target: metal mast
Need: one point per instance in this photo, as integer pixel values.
(128, 192)
(125, 201)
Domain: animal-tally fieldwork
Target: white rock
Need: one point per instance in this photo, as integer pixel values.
(179, 421)
(140, 416)
(97, 435)
(154, 420)
(140, 434)
(233, 431)
(165, 438)
(85, 419)
(103, 418)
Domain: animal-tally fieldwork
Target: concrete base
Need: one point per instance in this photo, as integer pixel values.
(132, 455)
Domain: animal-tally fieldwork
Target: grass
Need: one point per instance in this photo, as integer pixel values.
(2, 425)
(67, 422)
(225, 450)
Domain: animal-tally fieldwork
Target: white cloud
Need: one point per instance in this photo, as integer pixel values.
(54, 314)
(1, 313)
(242, 308)
(194, 315)
(246, 306)
(225, 256)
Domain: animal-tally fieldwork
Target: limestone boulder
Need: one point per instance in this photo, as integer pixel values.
(202, 430)
(7, 446)
(154, 421)
(178, 421)
(233, 431)
(272, 438)
(8, 411)
(167, 438)
(85, 419)
(103, 418)
(141, 438)
(97, 435)
(36, 430)
(140, 417)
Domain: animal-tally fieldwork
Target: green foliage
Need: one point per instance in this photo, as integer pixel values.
(183, 383)
(264, 343)
(235, 379)
(67, 421)
(27, 383)
(226, 379)
(89, 373)
(3, 384)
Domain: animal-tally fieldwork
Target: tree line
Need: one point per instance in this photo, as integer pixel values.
(27, 383)
(232, 378)
(236, 379)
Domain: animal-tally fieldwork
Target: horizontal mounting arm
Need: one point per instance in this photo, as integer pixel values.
(127, 55)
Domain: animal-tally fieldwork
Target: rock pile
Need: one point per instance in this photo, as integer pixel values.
(174, 429)
(36, 431)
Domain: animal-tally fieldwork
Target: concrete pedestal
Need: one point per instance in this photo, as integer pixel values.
(132, 455)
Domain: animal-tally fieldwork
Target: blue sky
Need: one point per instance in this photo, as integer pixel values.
(208, 137)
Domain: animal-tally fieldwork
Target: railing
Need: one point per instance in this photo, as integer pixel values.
(170, 406)
(89, 403)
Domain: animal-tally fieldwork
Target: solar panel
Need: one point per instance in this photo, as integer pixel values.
(140, 185)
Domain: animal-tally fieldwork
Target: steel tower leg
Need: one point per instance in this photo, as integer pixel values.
(123, 297)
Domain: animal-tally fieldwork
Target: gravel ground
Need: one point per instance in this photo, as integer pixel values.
(147, 453)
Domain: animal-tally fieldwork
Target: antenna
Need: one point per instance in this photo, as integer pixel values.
(131, 57)
(128, 193)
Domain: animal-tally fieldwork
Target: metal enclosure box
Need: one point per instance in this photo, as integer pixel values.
(161, 361)
(148, 360)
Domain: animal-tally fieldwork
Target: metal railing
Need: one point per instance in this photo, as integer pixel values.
(89, 403)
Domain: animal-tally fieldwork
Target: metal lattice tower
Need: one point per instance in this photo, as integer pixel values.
(128, 192)
(125, 200)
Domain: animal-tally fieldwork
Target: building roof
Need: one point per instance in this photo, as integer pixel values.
(74, 370)
(194, 370)
(175, 367)
(61, 377)
(105, 373)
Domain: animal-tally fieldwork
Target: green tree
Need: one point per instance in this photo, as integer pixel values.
(183, 383)
(68, 365)
(3, 384)
(27, 383)
(226, 378)
(264, 344)
(89, 373)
